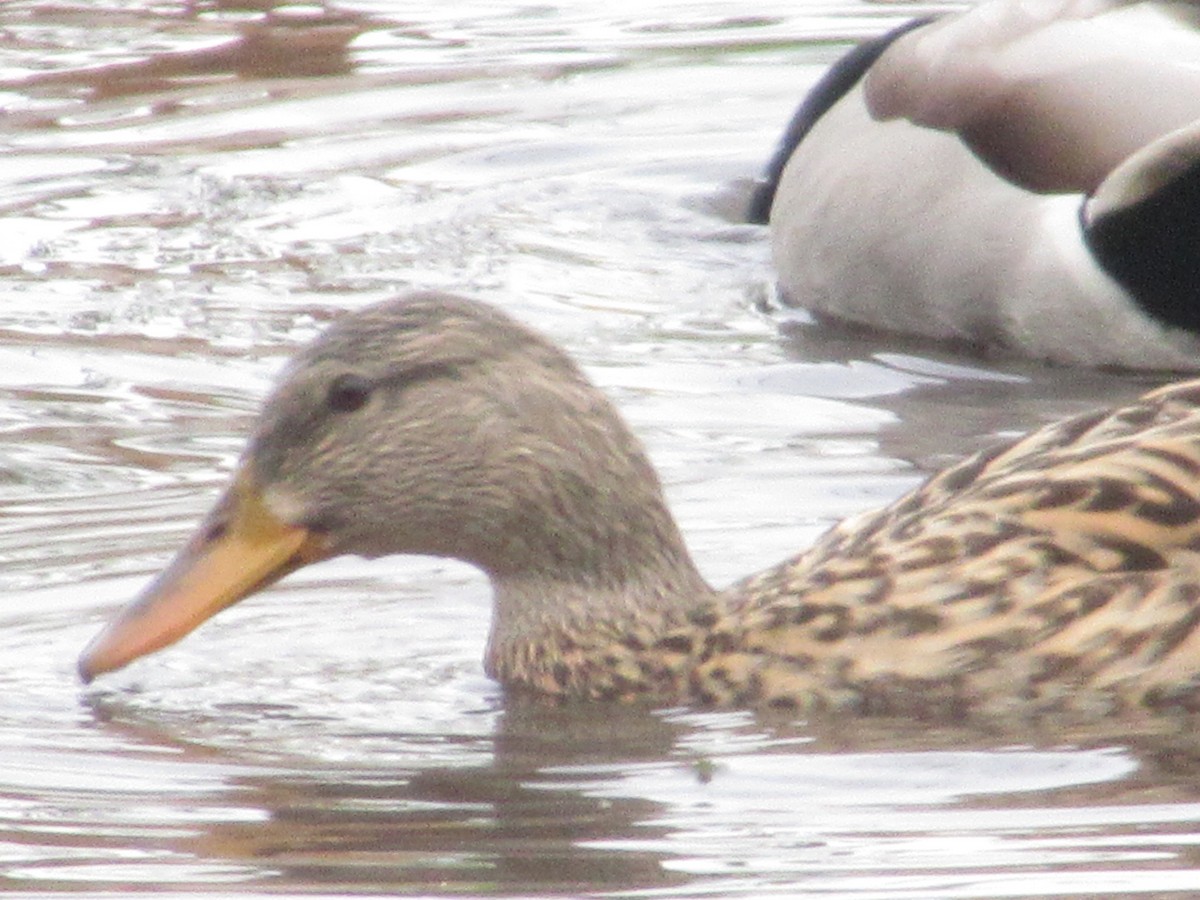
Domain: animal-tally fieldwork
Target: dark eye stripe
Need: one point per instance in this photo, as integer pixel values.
(348, 392)
(422, 372)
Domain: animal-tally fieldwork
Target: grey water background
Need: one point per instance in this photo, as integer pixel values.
(190, 191)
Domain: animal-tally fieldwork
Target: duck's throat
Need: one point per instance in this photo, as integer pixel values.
(572, 640)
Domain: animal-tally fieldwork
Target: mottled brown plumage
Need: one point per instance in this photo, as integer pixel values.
(1059, 571)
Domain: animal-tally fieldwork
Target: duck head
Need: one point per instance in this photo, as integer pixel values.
(427, 425)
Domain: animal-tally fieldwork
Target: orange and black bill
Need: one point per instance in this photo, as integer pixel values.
(240, 548)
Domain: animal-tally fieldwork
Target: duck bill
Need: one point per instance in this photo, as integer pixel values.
(240, 548)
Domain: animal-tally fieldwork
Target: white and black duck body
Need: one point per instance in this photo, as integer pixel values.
(1020, 177)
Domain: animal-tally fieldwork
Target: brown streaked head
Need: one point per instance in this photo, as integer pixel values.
(434, 425)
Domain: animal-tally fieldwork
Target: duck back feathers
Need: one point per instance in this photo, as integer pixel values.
(1017, 177)
(1060, 571)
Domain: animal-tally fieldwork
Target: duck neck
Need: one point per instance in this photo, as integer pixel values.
(581, 631)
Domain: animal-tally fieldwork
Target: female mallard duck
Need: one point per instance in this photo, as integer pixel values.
(1057, 571)
(1072, 233)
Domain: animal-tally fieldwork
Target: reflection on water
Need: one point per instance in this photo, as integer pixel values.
(191, 190)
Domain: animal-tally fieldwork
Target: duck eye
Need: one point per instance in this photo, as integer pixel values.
(348, 393)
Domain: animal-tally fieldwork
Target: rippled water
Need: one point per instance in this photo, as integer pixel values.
(188, 193)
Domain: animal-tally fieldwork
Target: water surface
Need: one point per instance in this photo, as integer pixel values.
(191, 192)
